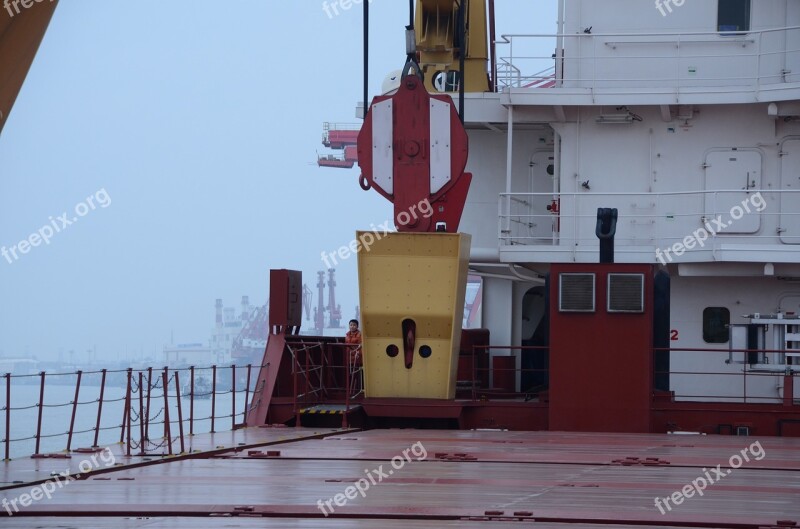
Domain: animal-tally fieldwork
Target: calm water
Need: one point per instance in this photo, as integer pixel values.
(57, 412)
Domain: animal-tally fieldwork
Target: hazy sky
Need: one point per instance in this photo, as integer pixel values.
(194, 127)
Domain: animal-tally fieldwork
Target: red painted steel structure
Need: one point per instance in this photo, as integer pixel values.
(285, 318)
(411, 139)
(601, 362)
(338, 138)
(342, 139)
(285, 301)
(607, 356)
(343, 161)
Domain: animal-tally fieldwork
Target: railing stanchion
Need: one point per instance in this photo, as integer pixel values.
(99, 408)
(347, 385)
(213, 395)
(247, 395)
(474, 372)
(167, 428)
(41, 409)
(142, 443)
(74, 410)
(295, 365)
(124, 422)
(128, 411)
(8, 417)
(744, 371)
(191, 401)
(147, 404)
(788, 388)
(180, 412)
(758, 64)
(233, 397)
(306, 353)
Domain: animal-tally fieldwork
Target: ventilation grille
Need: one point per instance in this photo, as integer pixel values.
(625, 293)
(576, 293)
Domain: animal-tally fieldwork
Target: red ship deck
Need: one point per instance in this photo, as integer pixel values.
(541, 479)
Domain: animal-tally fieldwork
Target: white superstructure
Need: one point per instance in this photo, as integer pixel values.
(686, 118)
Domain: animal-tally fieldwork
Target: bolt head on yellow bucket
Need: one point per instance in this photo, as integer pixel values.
(411, 289)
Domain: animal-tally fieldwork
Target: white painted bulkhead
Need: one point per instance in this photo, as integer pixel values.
(711, 136)
(723, 374)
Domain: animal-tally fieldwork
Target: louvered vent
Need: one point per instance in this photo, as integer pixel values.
(576, 293)
(625, 292)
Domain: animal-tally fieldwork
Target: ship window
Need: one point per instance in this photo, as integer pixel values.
(733, 15)
(716, 321)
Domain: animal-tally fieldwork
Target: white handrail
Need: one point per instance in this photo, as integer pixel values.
(755, 69)
(654, 220)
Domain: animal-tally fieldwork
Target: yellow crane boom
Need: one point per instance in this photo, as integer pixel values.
(439, 46)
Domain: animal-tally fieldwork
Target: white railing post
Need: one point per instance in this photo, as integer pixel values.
(509, 165)
(758, 63)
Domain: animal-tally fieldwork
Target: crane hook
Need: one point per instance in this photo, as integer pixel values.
(364, 183)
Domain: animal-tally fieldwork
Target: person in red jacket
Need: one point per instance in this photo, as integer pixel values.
(353, 336)
(355, 359)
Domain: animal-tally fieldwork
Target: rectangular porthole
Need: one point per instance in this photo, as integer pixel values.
(716, 325)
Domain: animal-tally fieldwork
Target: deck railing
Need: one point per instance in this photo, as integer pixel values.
(146, 406)
(747, 376)
(658, 61)
(322, 373)
(653, 220)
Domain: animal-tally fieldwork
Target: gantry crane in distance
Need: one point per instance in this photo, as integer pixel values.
(307, 298)
(334, 310)
(339, 137)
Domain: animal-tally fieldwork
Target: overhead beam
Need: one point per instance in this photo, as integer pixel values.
(21, 32)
